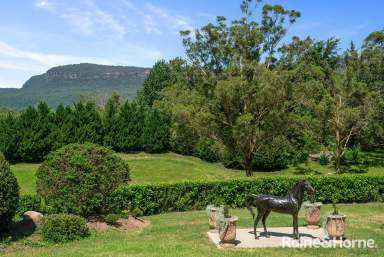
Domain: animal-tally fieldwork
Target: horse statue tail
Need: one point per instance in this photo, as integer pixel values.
(248, 203)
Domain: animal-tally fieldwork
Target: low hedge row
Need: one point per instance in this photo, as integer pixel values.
(154, 199)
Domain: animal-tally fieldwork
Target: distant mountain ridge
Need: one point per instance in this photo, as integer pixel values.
(69, 83)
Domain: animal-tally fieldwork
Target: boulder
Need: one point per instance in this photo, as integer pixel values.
(33, 216)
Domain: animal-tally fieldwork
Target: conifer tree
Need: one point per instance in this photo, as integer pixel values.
(155, 137)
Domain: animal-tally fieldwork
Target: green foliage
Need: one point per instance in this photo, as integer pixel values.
(137, 212)
(35, 127)
(9, 138)
(29, 203)
(9, 194)
(32, 134)
(86, 125)
(60, 228)
(305, 170)
(155, 135)
(323, 159)
(111, 219)
(111, 121)
(161, 76)
(273, 156)
(353, 155)
(206, 149)
(131, 119)
(226, 212)
(77, 178)
(153, 199)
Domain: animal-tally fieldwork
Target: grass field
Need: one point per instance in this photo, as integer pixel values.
(184, 234)
(169, 168)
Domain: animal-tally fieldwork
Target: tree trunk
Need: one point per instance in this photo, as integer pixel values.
(338, 152)
(248, 167)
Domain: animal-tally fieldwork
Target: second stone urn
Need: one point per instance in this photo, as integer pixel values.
(227, 231)
(312, 215)
(213, 213)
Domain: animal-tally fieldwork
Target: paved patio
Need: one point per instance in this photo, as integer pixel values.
(279, 237)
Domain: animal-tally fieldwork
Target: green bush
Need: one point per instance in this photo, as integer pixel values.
(323, 160)
(205, 150)
(136, 212)
(77, 178)
(153, 199)
(29, 203)
(273, 156)
(352, 155)
(111, 219)
(9, 194)
(59, 228)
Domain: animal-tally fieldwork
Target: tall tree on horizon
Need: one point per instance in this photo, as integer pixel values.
(159, 77)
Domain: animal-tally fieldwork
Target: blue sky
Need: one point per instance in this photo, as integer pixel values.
(38, 34)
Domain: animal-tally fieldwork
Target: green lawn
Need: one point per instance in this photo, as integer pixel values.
(170, 168)
(25, 174)
(184, 234)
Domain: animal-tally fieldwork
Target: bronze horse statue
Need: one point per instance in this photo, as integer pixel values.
(289, 204)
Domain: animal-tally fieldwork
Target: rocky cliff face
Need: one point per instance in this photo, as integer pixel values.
(79, 73)
(67, 84)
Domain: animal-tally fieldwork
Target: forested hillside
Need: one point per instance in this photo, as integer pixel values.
(70, 83)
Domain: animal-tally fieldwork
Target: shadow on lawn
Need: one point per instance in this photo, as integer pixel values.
(22, 229)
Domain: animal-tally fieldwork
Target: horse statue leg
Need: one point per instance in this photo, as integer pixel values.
(260, 215)
(295, 226)
(264, 220)
(248, 204)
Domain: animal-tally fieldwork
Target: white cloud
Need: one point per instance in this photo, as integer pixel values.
(43, 59)
(42, 3)
(175, 21)
(89, 19)
(17, 65)
(86, 17)
(157, 20)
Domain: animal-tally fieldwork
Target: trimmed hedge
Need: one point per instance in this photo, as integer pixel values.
(154, 199)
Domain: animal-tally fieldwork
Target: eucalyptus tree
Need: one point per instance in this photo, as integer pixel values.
(246, 116)
(238, 97)
(240, 43)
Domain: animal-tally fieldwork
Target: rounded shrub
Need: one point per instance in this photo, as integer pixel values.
(205, 150)
(9, 194)
(273, 156)
(111, 219)
(78, 178)
(59, 228)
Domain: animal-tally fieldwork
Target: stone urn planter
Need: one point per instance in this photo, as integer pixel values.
(213, 213)
(312, 215)
(227, 229)
(335, 225)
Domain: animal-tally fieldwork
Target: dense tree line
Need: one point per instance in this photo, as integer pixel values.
(30, 135)
(240, 97)
(256, 101)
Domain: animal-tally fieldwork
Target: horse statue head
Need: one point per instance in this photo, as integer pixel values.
(307, 186)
